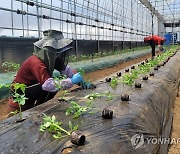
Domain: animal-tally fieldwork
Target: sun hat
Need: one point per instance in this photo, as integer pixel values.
(54, 39)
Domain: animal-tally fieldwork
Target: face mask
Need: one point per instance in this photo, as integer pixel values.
(62, 58)
(61, 61)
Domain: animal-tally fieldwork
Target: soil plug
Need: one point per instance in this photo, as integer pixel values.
(132, 67)
(119, 74)
(127, 70)
(77, 138)
(125, 97)
(108, 79)
(142, 63)
(137, 85)
(151, 74)
(107, 114)
(145, 77)
(146, 61)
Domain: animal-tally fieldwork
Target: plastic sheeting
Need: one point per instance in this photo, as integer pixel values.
(87, 66)
(149, 113)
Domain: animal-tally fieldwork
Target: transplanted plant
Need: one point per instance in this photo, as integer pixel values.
(78, 110)
(114, 82)
(128, 79)
(19, 98)
(93, 96)
(57, 80)
(11, 67)
(63, 94)
(53, 126)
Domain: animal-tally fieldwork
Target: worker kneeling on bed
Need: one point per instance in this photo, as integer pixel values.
(51, 52)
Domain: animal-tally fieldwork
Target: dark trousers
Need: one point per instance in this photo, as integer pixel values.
(36, 96)
(152, 44)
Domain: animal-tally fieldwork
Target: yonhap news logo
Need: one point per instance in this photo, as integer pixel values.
(138, 140)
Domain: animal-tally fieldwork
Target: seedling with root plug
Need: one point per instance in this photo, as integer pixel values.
(55, 127)
(19, 98)
(77, 110)
(94, 96)
(114, 82)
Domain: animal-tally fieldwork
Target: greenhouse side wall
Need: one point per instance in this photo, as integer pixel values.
(18, 49)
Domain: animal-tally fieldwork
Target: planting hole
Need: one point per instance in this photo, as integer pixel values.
(108, 79)
(132, 67)
(125, 97)
(137, 85)
(119, 74)
(155, 68)
(145, 77)
(151, 74)
(77, 137)
(107, 114)
(127, 70)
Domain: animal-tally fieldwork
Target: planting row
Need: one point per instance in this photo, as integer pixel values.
(76, 110)
(74, 58)
(134, 72)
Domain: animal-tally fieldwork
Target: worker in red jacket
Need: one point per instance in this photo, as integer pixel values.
(51, 52)
(155, 40)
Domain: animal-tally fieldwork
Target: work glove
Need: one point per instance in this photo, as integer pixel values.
(77, 78)
(53, 86)
(68, 72)
(87, 85)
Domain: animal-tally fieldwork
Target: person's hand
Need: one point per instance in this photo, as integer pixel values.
(87, 85)
(77, 78)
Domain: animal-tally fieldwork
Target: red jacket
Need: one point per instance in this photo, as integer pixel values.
(157, 39)
(32, 71)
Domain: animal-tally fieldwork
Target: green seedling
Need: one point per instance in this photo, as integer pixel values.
(5, 85)
(64, 93)
(18, 94)
(94, 96)
(114, 82)
(13, 113)
(11, 67)
(73, 58)
(109, 95)
(19, 98)
(78, 110)
(53, 126)
(58, 80)
(128, 79)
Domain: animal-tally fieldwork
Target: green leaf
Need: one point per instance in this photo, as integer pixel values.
(53, 118)
(70, 125)
(75, 127)
(58, 135)
(47, 124)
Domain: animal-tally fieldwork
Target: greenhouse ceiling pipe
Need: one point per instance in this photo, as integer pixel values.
(152, 9)
(73, 14)
(67, 21)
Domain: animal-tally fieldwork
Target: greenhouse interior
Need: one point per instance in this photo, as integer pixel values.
(90, 76)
